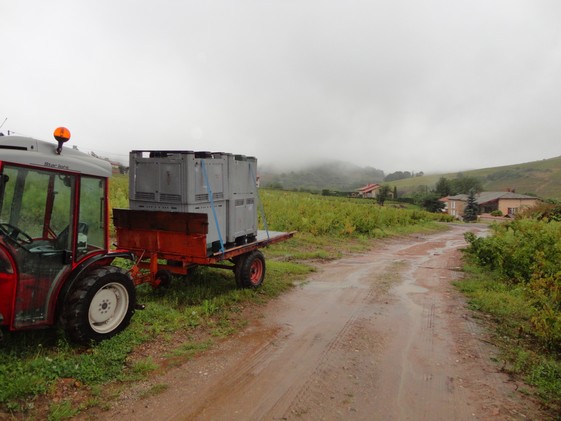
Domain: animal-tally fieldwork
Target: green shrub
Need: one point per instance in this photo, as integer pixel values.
(525, 255)
(519, 249)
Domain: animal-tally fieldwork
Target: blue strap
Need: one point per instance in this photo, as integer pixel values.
(211, 199)
(261, 208)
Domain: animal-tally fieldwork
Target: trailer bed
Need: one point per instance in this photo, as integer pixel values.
(263, 239)
(176, 241)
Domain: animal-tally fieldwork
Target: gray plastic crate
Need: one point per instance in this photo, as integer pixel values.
(213, 238)
(176, 177)
(242, 206)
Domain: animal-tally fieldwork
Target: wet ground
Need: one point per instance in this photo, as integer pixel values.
(377, 336)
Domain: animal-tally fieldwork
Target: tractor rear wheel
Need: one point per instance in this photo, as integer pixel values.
(250, 269)
(100, 305)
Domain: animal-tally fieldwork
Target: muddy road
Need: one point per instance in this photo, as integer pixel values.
(377, 336)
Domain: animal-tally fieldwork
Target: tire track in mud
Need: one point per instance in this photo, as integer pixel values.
(426, 389)
(316, 325)
(325, 385)
(312, 328)
(319, 389)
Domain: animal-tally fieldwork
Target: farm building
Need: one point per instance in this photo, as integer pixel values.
(368, 191)
(508, 203)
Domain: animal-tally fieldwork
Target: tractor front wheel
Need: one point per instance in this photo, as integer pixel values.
(250, 269)
(100, 305)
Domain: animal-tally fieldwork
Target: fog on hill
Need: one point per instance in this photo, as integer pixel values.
(540, 178)
(332, 175)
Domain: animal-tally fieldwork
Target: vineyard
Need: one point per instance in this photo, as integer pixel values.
(340, 217)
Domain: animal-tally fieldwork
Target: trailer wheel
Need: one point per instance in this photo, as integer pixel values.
(250, 270)
(99, 306)
(164, 276)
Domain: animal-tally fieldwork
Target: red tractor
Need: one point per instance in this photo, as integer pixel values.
(55, 256)
(55, 261)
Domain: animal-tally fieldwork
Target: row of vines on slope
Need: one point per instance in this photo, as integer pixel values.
(326, 215)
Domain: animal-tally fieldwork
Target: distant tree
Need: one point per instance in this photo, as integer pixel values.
(383, 193)
(398, 175)
(430, 202)
(275, 185)
(472, 209)
(463, 184)
(443, 187)
(394, 192)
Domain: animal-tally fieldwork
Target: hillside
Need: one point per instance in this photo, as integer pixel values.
(541, 178)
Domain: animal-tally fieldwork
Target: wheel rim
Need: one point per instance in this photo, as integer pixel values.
(256, 272)
(108, 307)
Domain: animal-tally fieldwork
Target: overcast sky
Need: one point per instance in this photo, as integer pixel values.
(408, 85)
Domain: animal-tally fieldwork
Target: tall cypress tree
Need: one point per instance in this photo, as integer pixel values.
(472, 209)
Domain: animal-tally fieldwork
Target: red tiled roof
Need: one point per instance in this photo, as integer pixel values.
(368, 188)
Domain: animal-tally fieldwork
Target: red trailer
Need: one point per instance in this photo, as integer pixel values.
(172, 243)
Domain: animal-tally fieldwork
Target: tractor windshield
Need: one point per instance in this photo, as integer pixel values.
(36, 204)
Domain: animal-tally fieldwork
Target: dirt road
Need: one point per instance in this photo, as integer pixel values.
(377, 336)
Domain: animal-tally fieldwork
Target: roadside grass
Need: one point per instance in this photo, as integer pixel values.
(193, 313)
(510, 311)
(62, 411)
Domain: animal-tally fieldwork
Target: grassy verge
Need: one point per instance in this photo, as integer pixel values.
(510, 310)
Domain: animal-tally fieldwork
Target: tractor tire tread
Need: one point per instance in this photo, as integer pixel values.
(74, 315)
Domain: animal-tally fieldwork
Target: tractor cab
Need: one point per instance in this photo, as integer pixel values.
(53, 219)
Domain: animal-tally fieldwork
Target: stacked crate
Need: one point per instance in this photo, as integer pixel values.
(242, 206)
(217, 184)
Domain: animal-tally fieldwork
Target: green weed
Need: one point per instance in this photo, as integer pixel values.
(154, 390)
(62, 411)
(190, 349)
(140, 369)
